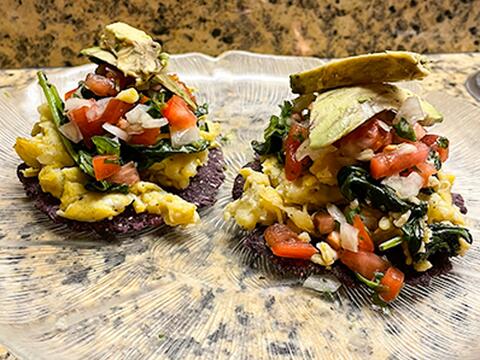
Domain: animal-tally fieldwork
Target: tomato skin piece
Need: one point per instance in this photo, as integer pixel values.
(365, 242)
(324, 223)
(114, 111)
(388, 163)
(127, 174)
(284, 242)
(100, 85)
(298, 250)
(178, 114)
(426, 170)
(87, 128)
(370, 135)
(103, 166)
(69, 94)
(364, 262)
(295, 137)
(148, 137)
(393, 283)
(431, 140)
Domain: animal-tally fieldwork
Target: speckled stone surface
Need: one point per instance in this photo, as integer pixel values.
(449, 74)
(51, 33)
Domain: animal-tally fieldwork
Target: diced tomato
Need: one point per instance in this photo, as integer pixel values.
(148, 137)
(293, 167)
(285, 243)
(370, 135)
(112, 73)
(69, 94)
(105, 166)
(143, 99)
(87, 128)
(100, 85)
(426, 170)
(420, 132)
(323, 222)
(393, 283)
(333, 239)
(127, 174)
(114, 111)
(432, 141)
(178, 114)
(364, 262)
(388, 163)
(365, 242)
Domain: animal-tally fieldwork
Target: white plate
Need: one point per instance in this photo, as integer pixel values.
(198, 292)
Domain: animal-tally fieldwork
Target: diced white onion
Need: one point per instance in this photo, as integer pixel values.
(384, 125)
(336, 213)
(348, 237)
(348, 234)
(139, 116)
(406, 148)
(71, 131)
(97, 109)
(365, 155)
(411, 110)
(323, 283)
(405, 186)
(185, 137)
(116, 131)
(75, 103)
(154, 123)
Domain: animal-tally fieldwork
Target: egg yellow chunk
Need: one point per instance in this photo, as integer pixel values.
(45, 147)
(440, 205)
(262, 204)
(176, 170)
(174, 210)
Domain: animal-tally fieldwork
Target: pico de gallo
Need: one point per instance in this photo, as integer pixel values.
(129, 127)
(350, 175)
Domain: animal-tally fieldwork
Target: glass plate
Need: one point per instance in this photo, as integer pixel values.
(198, 292)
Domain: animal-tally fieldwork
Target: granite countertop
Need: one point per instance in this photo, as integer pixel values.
(50, 33)
(449, 73)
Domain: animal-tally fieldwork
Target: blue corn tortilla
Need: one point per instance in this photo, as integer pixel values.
(255, 241)
(202, 191)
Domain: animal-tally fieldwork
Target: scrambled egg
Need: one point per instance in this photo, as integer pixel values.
(48, 160)
(268, 198)
(45, 147)
(440, 205)
(176, 170)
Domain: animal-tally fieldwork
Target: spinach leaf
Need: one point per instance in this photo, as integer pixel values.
(413, 233)
(405, 130)
(276, 131)
(434, 158)
(85, 163)
(106, 145)
(55, 105)
(443, 142)
(145, 156)
(445, 239)
(356, 183)
(201, 110)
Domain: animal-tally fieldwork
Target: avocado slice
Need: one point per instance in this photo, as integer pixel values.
(134, 52)
(382, 67)
(336, 113)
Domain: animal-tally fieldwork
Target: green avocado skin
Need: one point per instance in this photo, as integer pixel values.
(336, 113)
(390, 66)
